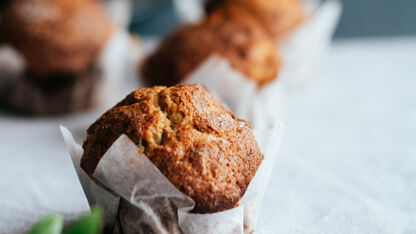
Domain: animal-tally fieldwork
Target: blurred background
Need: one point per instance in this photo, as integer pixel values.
(360, 18)
(347, 162)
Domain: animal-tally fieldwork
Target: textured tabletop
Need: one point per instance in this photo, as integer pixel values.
(347, 164)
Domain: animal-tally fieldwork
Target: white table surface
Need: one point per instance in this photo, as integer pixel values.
(347, 165)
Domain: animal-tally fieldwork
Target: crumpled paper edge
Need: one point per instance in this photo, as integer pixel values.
(240, 94)
(107, 201)
(260, 106)
(189, 223)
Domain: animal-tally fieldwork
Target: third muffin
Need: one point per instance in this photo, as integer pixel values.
(279, 17)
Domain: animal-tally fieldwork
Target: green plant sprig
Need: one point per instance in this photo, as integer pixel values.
(53, 224)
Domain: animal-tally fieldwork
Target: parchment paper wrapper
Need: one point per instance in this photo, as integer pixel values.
(303, 50)
(138, 198)
(97, 87)
(260, 106)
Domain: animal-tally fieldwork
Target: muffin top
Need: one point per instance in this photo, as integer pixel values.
(200, 146)
(55, 36)
(229, 32)
(279, 17)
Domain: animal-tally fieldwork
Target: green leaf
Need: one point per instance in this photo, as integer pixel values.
(89, 224)
(51, 224)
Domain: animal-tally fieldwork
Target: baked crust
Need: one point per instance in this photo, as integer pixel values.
(229, 32)
(201, 147)
(279, 17)
(56, 36)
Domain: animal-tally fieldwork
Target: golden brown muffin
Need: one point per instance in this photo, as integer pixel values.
(56, 36)
(201, 147)
(279, 17)
(229, 32)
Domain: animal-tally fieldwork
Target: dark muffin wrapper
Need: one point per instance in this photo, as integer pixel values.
(63, 93)
(56, 94)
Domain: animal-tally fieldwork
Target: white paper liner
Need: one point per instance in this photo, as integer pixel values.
(138, 198)
(259, 106)
(304, 50)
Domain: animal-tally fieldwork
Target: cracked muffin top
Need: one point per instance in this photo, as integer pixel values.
(201, 147)
(279, 17)
(55, 36)
(229, 32)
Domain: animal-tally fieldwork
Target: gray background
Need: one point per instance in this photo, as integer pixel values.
(360, 18)
(377, 18)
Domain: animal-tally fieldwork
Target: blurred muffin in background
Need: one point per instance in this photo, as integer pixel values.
(279, 17)
(229, 32)
(59, 42)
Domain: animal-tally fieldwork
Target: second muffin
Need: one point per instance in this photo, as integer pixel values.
(279, 17)
(229, 32)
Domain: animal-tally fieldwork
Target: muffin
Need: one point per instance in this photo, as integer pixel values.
(229, 32)
(201, 147)
(60, 42)
(279, 17)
